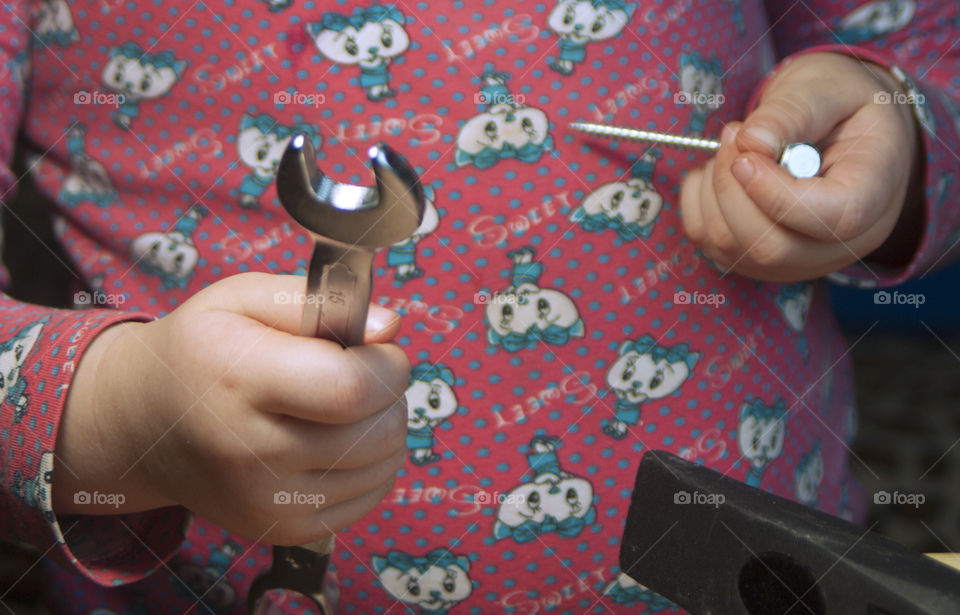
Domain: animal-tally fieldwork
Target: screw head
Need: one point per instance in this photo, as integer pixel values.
(801, 160)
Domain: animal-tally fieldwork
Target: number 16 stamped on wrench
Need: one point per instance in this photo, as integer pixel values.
(349, 224)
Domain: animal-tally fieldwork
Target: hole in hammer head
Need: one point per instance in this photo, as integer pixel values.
(775, 583)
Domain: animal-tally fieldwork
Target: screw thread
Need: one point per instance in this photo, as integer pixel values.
(633, 134)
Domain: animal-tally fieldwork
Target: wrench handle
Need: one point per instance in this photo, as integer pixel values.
(338, 292)
(335, 308)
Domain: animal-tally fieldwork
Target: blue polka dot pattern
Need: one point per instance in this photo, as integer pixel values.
(558, 321)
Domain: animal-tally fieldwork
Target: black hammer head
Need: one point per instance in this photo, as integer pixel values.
(714, 545)
(371, 217)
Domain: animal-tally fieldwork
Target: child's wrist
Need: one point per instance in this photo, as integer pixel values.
(96, 450)
(902, 243)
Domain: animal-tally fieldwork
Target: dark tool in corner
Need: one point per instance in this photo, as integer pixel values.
(714, 545)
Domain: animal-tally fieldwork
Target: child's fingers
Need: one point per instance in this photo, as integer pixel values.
(320, 522)
(690, 206)
(346, 485)
(840, 206)
(318, 381)
(765, 249)
(700, 219)
(306, 445)
(720, 243)
(797, 108)
(756, 236)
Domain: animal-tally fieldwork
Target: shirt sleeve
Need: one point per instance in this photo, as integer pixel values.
(919, 44)
(39, 350)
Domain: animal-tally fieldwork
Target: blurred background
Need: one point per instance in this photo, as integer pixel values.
(906, 358)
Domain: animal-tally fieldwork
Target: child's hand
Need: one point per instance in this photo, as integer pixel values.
(750, 216)
(221, 405)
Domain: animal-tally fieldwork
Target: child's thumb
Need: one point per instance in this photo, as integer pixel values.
(382, 324)
(793, 113)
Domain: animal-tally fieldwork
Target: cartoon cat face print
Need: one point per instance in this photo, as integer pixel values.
(760, 436)
(39, 494)
(171, 254)
(794, 303)
(13, 354)
(140, 78)
(430, 222)
(501, 127)
(434, 583)
(369, 44)
(261, 151)
(875, 19)
(54, 23)
(518, 308)
(429, 403)
(549, 494)
(703, 87)
(88, 178)
(638, 377)
(632, 201)
(808, 476)
(586, 20)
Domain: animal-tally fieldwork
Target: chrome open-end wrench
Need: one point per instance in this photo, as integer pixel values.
(349, 224)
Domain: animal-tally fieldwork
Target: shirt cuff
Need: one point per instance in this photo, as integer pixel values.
(45, 346)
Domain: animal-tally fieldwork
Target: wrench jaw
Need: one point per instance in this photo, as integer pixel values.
(399, 185)
(374, 217)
